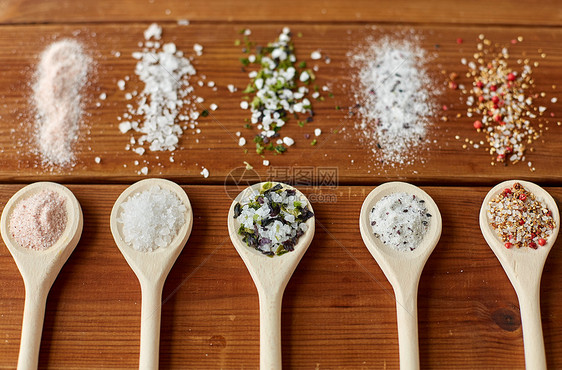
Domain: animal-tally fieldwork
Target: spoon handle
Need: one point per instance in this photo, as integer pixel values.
(150, 325)
(270, 329)
(32, 326)
(533, 341)
(407, 321)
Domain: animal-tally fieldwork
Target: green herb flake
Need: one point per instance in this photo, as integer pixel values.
(236, 42)
(205, 113)
(313, 142)
(302, 64)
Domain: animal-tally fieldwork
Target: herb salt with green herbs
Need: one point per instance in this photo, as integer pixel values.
(274, 93)
(273, 220)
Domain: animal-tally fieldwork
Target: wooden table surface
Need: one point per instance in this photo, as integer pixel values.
(338, 309)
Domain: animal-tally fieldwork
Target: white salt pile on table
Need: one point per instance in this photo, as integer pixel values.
(151, 219)
(61, 74)
(400, 220)
(38, 221)
(393, 95)
(163, 104)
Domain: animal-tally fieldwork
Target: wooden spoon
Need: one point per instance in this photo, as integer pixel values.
(402, 269)
(151, 268)
(270, 275)
(39, 269)
(523, 267)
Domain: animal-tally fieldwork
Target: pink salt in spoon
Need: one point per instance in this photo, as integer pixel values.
(523, 266)
(39, 268)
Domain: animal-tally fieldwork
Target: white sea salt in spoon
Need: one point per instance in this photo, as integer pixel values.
(402, 268)
(523, 266)
(39, 268)
(151, 265)
(270, 275)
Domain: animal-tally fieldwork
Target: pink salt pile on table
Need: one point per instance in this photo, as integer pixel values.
(38, 221)
(61, 75)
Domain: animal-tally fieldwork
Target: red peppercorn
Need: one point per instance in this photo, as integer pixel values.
(445, 107)
(502, 123)
(521, 222)
(495, 99)
(497, 118)
(479, 84)
(459, 41)
(493, 88)
(522, 197)
(508, 245)
(477, 124)
(507, 190)
(509, 150)
(510, 77)
(453, 85)
(500, 157)
(533, 245)
(541, 242)
(481, 98)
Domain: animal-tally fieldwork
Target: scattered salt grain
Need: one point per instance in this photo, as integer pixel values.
(103, 96)
(400, 220)
(121, 85)
(151, 219)
(183, 22)
(39, 221)
(213, 106)
(144, 171)
(317, 132)
(288, 141)
(241, 141)
(198, 49)
(205, 172)
(153, 31)
(315, 55)
(244, 104)
(231, 88)
(61, 74)
(97, 160)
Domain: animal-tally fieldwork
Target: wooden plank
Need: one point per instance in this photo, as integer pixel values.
(218, 150)
(434, 11)
(338, 309)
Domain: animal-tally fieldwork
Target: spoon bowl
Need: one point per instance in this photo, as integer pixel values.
(523, 267)
(402, 269)
(39, 269)
(151, 267)
(270, 275)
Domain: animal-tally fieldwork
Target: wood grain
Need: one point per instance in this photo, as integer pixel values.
(338, 309)
(502, 12)
(442, 161)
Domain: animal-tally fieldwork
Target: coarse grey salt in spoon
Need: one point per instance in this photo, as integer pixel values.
(402, 268)
(524, 265)
(39, 268)
(270, 273)
(151, 258)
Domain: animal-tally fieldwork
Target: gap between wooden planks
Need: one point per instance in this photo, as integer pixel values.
(338, 309)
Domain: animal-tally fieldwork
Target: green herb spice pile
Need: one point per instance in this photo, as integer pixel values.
(520, 219)
(273, 220)
(277, 91)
